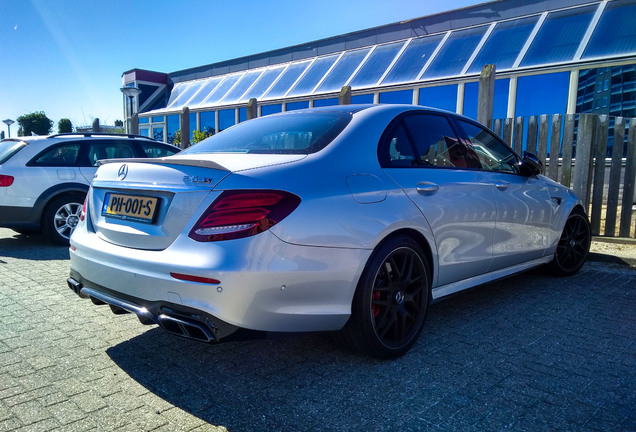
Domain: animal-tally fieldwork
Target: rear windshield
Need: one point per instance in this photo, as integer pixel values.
(292, 133)
(9, 148)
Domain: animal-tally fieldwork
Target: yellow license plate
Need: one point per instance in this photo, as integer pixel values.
(130, 207)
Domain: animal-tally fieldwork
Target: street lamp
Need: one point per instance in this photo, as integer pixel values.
(8, 122)
(131, 93)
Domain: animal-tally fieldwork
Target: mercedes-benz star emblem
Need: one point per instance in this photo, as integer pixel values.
(123, 172)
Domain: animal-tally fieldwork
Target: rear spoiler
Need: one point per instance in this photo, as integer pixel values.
(167, 161)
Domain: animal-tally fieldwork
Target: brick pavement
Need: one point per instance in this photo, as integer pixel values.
(529, 353)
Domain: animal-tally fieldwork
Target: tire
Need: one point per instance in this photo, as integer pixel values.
(574, 245)
(61, 217)
(391, 300)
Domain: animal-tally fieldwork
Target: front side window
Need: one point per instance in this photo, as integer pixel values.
(493, 154)
(58, 156)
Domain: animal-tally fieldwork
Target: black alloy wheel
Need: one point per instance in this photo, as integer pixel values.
(574, 245)
(391, 300)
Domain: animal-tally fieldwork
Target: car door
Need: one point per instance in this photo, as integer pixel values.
(421, 152)
(524, 207)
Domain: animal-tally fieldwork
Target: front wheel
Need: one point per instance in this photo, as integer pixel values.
(391, 300)
(61, 217)
(574, 245)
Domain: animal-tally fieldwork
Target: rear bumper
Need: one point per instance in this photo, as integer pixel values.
(265, 284)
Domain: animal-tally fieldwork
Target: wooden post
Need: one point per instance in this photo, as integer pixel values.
(555, 141)
(96, 128)
(184, 126)
(531, 141)
(508, 130)
(615, 177)
(628, 182)
(542, 150)
(345, 96)
(134, 124)
(600, 151)
(519, 135)
(582, 184)
(252, 109)
(486, 97)
(568, 145)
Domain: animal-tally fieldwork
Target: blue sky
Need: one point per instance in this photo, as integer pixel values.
(66, 57)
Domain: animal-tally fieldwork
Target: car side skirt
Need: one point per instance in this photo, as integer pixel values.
(454, 287)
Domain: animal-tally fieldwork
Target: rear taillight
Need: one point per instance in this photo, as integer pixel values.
(83, 213)
(238, 214)
(6, 180)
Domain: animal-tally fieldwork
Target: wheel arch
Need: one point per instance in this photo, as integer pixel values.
(56, 191)
(422, 241)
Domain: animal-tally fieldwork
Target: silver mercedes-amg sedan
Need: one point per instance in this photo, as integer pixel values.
(350, 218)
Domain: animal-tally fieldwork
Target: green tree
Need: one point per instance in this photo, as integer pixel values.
(35, 123)
(64, 126)
(196, 136)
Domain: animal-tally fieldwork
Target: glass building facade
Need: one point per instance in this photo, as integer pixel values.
(577, 57)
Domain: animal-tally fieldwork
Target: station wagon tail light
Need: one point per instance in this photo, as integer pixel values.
(239, 214)
(83, 213)
(6, 180)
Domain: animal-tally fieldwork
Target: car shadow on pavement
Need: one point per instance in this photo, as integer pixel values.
(31, 247)
(471, 342)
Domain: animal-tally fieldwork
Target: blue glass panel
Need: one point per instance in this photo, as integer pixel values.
(443, 97)
(187, 94)
(227, 118)
(263, 83)
(325, 102)
(615, 32)
(397, 97)
(144, 120)
(158, 119)
(241, 87)
(542, 94)
(242, 114)
(176, 92)
(288, 79)
(207, 122)
(342, 71)
(157, 133)
(144, 132)
(172, 123)
(222, 89)
(362, 99)
(559, 36)
(193, 124)
(291, 106)
(504, 44)
(412, 60)
(471, 96)
(314, 74)
(271, 109)
(375, 66)
(205, 91)
(456, 51)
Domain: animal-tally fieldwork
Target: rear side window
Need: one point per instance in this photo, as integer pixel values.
(58, 156)
(420, 140)
(157, 150)
(9, 148)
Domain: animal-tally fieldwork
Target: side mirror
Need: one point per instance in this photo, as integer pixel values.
(530, 164)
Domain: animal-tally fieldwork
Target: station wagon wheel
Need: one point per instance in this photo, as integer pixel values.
(391, 300)
(61, 217)
(573, 246)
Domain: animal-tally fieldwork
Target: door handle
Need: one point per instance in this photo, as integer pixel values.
(502, 186)
(427, 188)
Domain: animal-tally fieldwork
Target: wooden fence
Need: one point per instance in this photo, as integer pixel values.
(606, 185)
